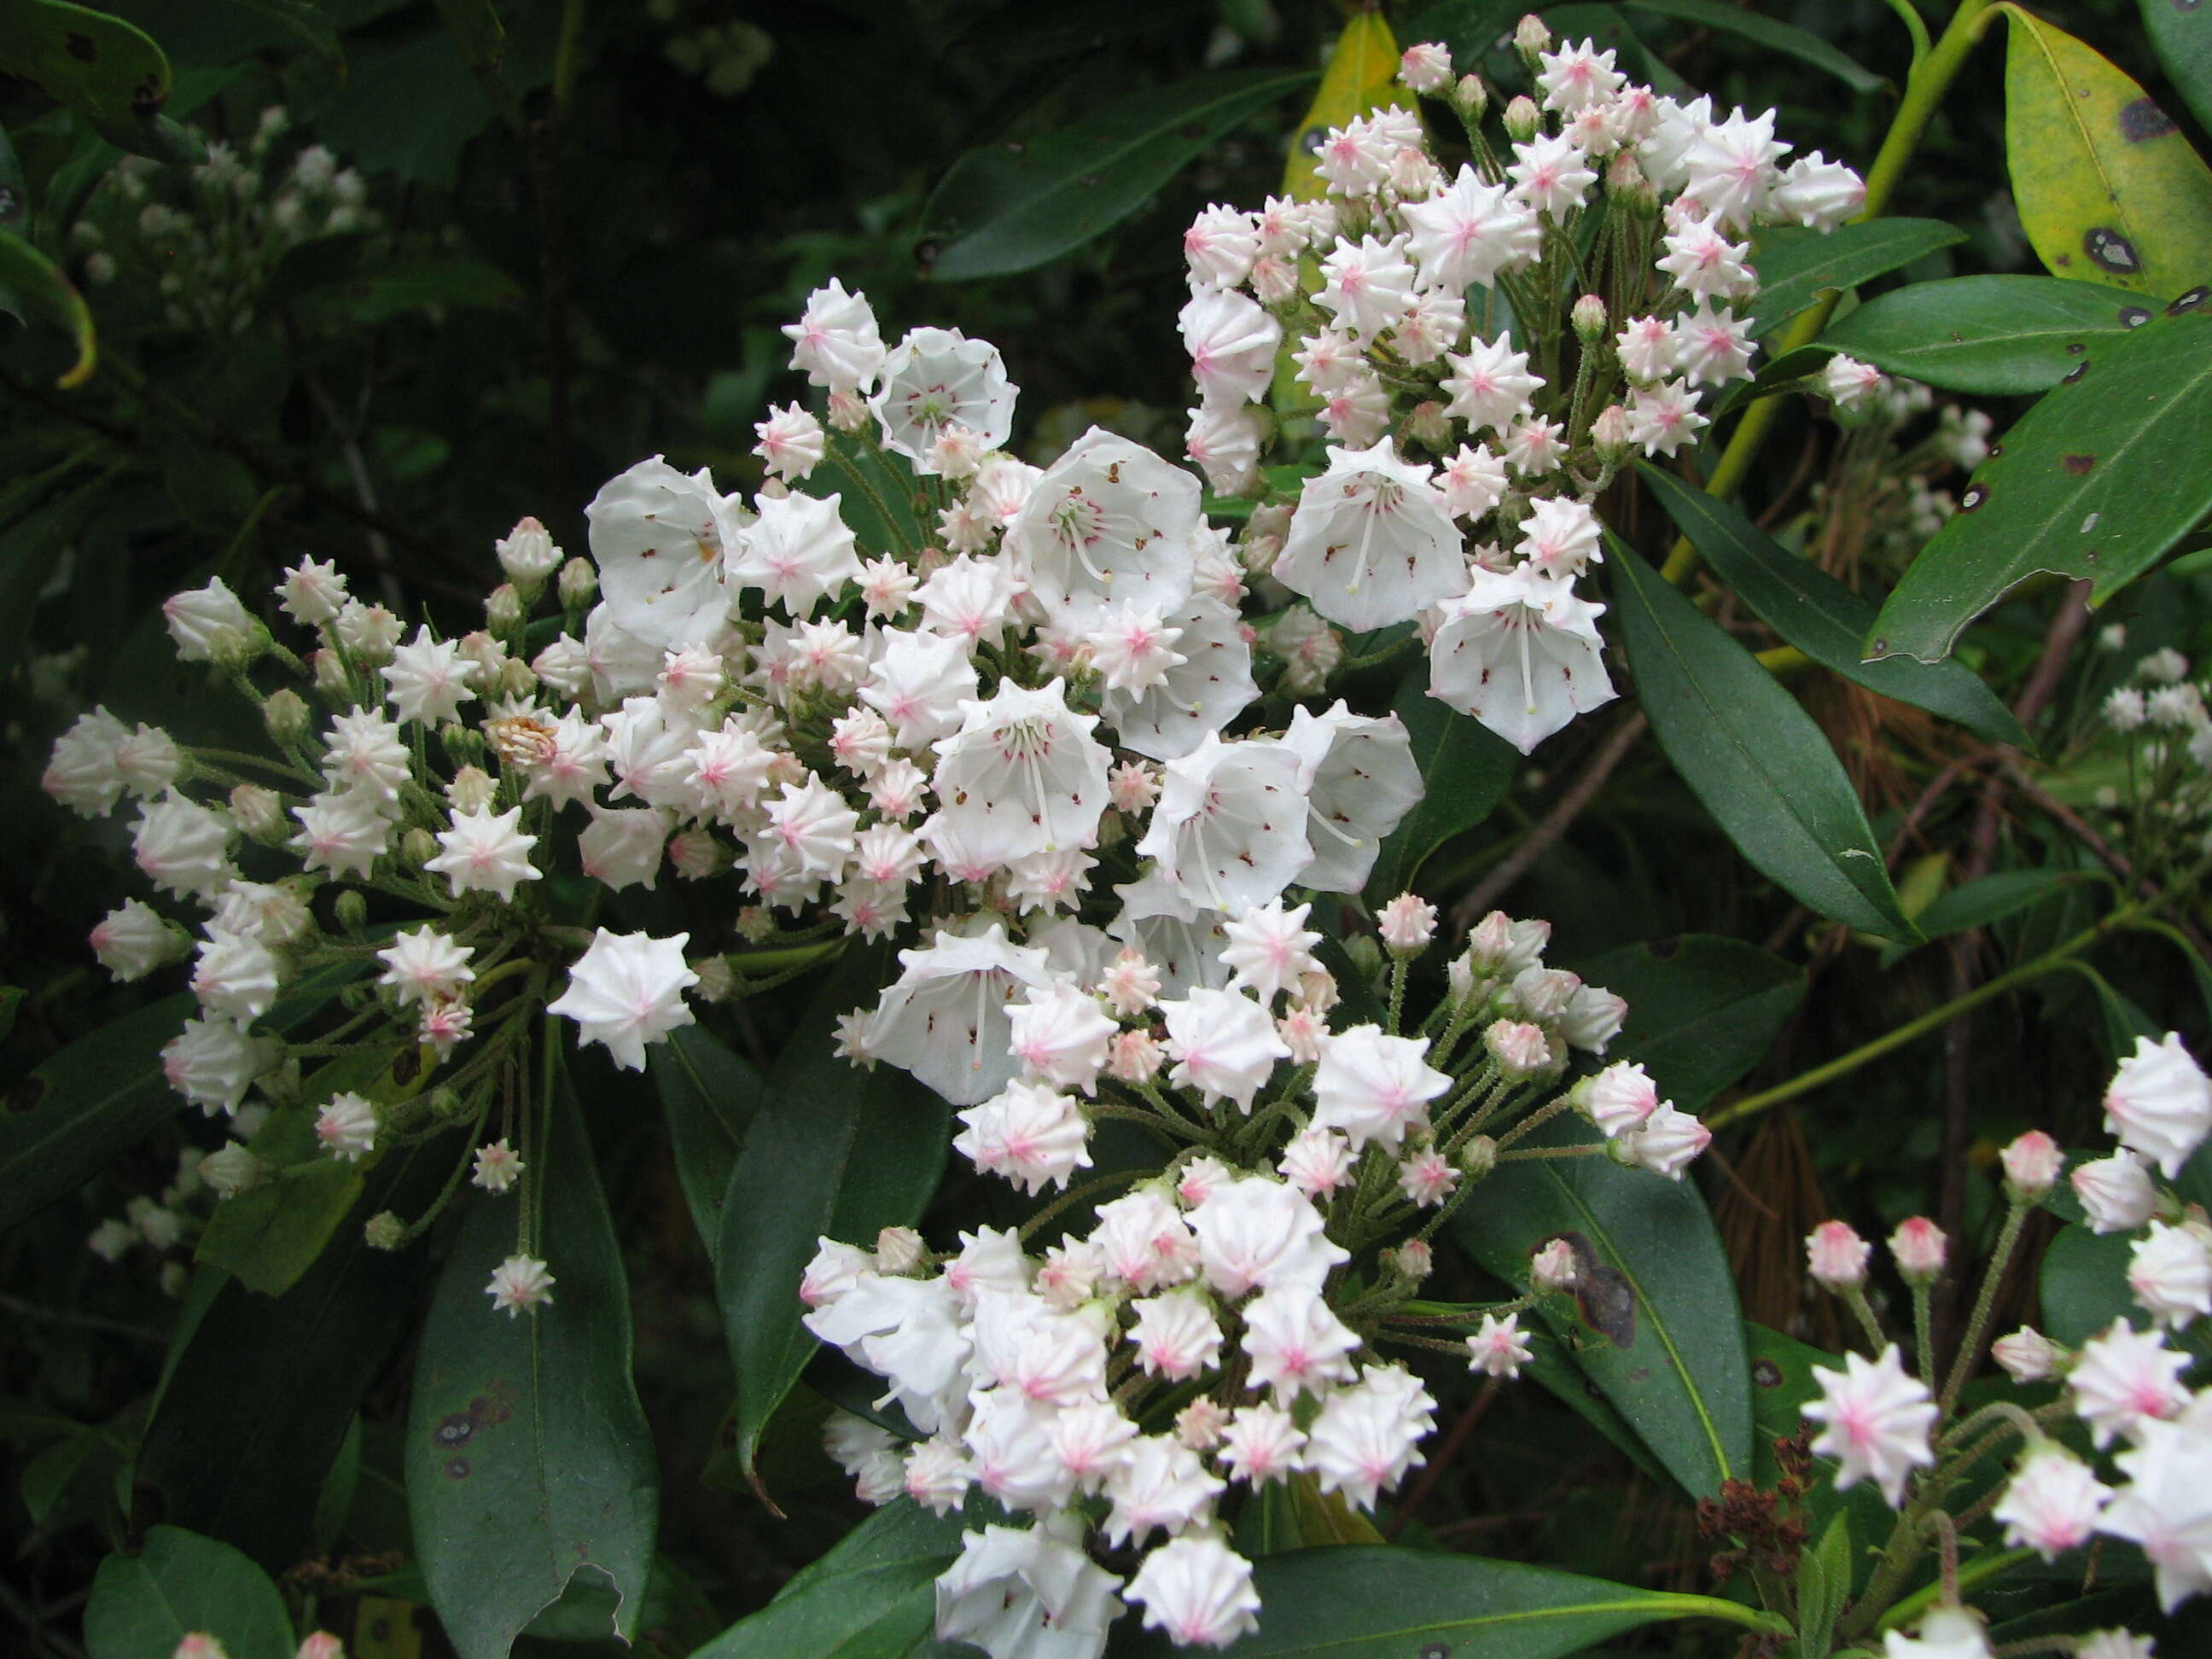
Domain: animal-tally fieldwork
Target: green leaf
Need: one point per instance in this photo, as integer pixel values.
(37, 281)
(1378, 1602)
(260, 1392)
(1361, 74)
(1757, 761)
(1004, 208)
(1824, 1579)
(833, 1152)
(143, 1605)
(708, 1094)
(1768, 31)
(528, 1457)
(871, 1596)
(84, 58)
(2107, 186)
(2084, 1287)
(1702, 1009)
(1819, 616)
(1977, 904)
(1987, 334)
(15, 191)
(1796, 266)
(2181, 34)
(154, 135)
(1466, 770)
(2099, 478)
(1653, 1321)
(477, 30)
(878, 503)
(394, 287)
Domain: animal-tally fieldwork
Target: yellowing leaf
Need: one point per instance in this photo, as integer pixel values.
(2108, 188)
(1361, 74)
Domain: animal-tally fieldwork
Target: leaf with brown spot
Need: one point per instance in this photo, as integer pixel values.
(88, 60)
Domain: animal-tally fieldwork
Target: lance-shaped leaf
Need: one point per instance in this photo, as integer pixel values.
(871, 1596)
(1362, 74)
(2108, 188)
(1653, 1321)
(833, 1152)
(528, 1456)
(37, 283)
(1465, 770)
(88, 60)
(1987, 334)
(1756, 759)
(143, 1605)
(2181, 33)
(1379, 1602)
(1702, 1009)
(708, 1094)
(1821, 617)
(2099, 479)
(1006, 208)
(1769, 31)
(1796, 266)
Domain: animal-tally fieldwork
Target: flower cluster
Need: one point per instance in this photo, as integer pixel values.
(1465, 450)
(1218, 1325)
(2122, 1386)
(2159, 800)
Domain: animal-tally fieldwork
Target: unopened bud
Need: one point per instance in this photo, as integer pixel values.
(503, 608)
(1366, 955)
(1836, 1256)
(718, 980)
(1470, 98)
(1552, 1268)
(1479, 1157)
(260, 813)
(464, 745)
(1589, 319)
(846, 412)
(1412, 1261)
(232, 1171)
(321, 1645)
(1530, 37)
(1426, 68)
(471, 789)
(527, 555)
(1407, 923)
(1517, 1047)
(1917, 1246)
(1523, 121)
(1609, 435)
(232, 648)
(1430, 426)
(285, 716)
(2031, 1166)
(2029, 1356)
(898, 1250)
(330, 672)
(755, 925)
(418, 846)
(517, 678)
(352, 910)
(383, 1232)
(580, 584)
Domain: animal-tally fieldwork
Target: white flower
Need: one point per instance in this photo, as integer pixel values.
(519, 1284)
(1197, 696)
(1663, 418)
(1133, 648)
(1499, 1347)
(2115, 1644)
(1219, 246)
(311, 593)
(1363, 1439)
(212, 1062)
(85, 774)
(428, 679)
(425, 966)
(132, 940)
(1818, 193)
(970, 599)
(1255, 1233)
(835, 342)
(1145, 1241)
(1368, 285)
(527, 555)
(1360, 781)
(1176, 1334)
(1108, 521)
(945, 1019)
(1023, 774)
(1372, 542)
(1730, 166)
(1269, 949)
(626, 991)
(1197, 1591)
(1157, 1483)
(1296, 1345)
(1850, 382)
(1232, 343)
(344, 834)
(2167, 1507)
(2159, 1102)
(936, 377)
(236, 976)
(1712, 348)
(1224, 1045)
(346, 1128)
(797, 552)
(2116, 1192)
(2027, 1355)
(1549, 174)
(1029, 1133)
(1060, 1034)
(1224, 439)
(918, 682)
(1469, 233)
(1876, 1420)
(1228, 830)
(1521, 654)
(485, 851)
(1375, 1087)
(621, 848)
(792, 443)
(1031, 1594)
(1490, 386)
(2124, 1379)
(1646, 347)
(1665, 1143)
(498, 1166)
(203, 620)
(1577, 77)
(182, 846)
(2170, 1272)
(658, 538)
(2052, 1502)
(1947, 1632)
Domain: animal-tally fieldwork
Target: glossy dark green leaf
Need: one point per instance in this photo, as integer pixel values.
(1819, 616)
(2181, 34)
(1009, 207)
(87, 59)
(833, 1152)
(1768, 31)
(154, 136)
(1751, 754)
(2099, 479)
(261, 1391)
(1466, 770)
(143, 1605)
(869, 1598)
(528, 1456)
(877, 502)
(1796, 266)
(2085, 1283)
(1978, 904)
(1987, 334)
(708, 1094)
(1378, 1602)
(1702, 1009)
(38, 285)
(1653, 1322)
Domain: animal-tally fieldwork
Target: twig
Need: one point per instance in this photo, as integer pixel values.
(1433, 1472)
(17, 1305)
(1546, 830)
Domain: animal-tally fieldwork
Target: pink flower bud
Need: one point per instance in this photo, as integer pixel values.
(2031, 1166)
(1836, 1256)
(1407, 922)
(1552, 1267)
(898, 1250)
(1518, 1047)
(2027, 1355)
(1426, 68)
(1412, 1260)
(322, 1645)
(1918, 1245)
